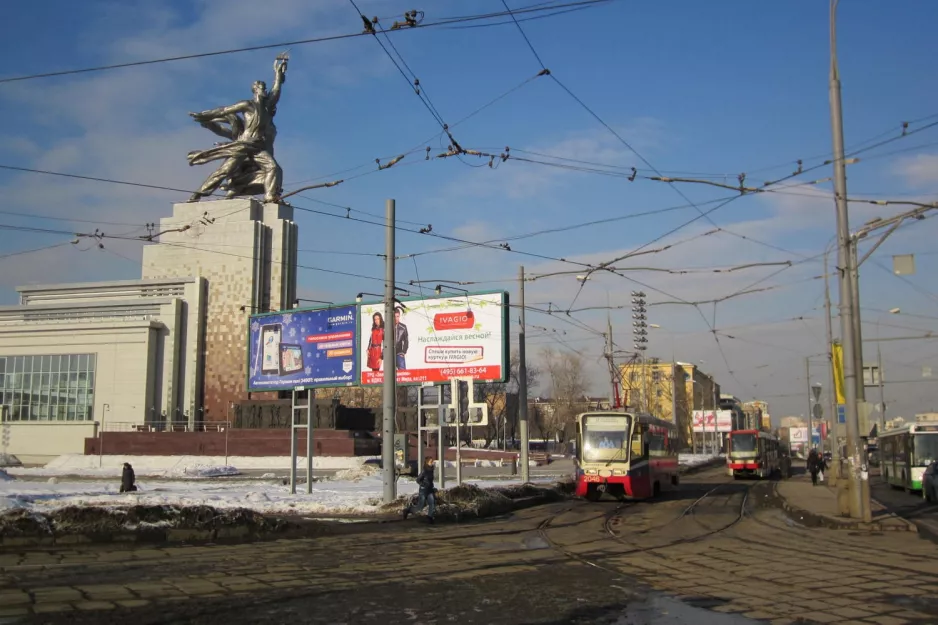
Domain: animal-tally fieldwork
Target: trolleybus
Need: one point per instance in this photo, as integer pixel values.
(906, 452)
(753, 453)
(625, 455)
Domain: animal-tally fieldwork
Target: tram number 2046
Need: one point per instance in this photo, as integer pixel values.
(593, 478)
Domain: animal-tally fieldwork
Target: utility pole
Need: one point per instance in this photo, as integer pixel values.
(832, 435)
(610, 345)
(388, 468)
(522, 386)
(807, 376)
(882, 393)
(859, 506)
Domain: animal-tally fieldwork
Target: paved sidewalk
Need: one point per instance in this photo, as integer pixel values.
(818, 506)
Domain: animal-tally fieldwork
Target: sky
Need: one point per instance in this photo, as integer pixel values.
(680, 88)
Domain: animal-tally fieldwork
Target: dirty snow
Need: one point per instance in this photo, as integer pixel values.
(693, 460)
(359, 496)
(170, 466)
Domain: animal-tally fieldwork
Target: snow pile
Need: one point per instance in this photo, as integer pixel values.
(108, 521)
(356, 474)
(695, 460)
(9, 460)
(79, 465)
(201, 470)
(359, 496)
(469, 501)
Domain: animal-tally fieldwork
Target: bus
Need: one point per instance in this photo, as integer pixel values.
(905, 452)
(624, 454)
(753, 453)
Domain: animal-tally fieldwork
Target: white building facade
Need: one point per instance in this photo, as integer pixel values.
(143, 354)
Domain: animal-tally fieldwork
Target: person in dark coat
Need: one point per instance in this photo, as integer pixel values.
(814, 465)
(127, 479)
(427, 493)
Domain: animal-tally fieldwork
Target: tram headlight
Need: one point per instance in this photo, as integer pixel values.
(591, 471)
(618, 472)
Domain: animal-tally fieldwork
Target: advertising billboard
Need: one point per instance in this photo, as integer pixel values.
(797, 436)
(308, 348)
(438, 339)
(713, 421)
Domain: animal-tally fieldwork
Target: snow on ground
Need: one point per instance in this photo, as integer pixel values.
(176, 466)
(357, 496)
(695, 460)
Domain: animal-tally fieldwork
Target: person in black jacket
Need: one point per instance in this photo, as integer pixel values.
(127, 479)
(814, 465)
(427, 492)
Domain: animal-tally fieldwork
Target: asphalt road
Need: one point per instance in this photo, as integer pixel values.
(716, 552)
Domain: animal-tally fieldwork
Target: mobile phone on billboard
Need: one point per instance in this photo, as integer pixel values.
(270, 349)
(291, 359)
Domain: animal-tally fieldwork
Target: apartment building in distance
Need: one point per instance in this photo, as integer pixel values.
(668, 390)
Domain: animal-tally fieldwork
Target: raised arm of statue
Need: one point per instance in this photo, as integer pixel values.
(280, 77)
(222, 112)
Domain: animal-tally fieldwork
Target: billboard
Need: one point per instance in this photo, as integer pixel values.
(309, 348)
(797, 436)
(710, 421)
(438, 339)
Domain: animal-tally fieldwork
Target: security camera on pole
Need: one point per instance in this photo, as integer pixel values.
(640, 336)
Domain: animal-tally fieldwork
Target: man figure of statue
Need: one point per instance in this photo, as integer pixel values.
(249, 161)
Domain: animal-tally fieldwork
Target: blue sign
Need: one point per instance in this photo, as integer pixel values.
(815, 436)
(841, 413)
(308, 348)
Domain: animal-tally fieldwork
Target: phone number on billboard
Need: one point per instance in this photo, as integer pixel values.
(457, 371)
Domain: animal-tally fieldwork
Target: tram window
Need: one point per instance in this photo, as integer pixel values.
(638, 449)
(656, 445)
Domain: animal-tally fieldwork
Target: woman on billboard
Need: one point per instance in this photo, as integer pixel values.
(376, 343)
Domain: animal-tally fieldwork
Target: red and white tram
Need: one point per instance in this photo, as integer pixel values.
(625, 455)
(753, 453)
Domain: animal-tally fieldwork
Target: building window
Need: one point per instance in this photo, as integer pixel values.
(48, 388)
(656, 375)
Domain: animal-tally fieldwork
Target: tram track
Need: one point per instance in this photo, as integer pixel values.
(689, 512)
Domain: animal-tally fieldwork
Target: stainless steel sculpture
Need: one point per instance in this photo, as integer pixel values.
(249, 167)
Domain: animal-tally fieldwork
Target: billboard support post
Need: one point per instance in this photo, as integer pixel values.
(296, 423)
(390, 364)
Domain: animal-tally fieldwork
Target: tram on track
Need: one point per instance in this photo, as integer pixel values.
(753, 453)
(625, 455)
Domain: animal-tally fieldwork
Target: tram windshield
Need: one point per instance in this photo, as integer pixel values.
(743, 444)
(606, 438)
(925, 450)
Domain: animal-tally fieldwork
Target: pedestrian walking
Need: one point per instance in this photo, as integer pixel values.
(814, 464)
(127, 479)
(427, 494)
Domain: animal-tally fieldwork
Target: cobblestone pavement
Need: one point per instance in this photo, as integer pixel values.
(712, 545)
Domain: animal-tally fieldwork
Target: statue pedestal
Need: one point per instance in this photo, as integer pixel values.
(246, 252)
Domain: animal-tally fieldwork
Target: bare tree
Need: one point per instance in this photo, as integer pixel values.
(502, 412)
(568, 388)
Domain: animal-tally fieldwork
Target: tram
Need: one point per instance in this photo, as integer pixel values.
(625, 455)
(753, 453)
(906, 452)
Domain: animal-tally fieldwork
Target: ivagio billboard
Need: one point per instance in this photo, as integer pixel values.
(437, 339)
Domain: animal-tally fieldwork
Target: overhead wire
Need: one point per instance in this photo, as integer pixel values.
(288, 44)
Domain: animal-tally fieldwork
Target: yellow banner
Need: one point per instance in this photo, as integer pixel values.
(838, 354)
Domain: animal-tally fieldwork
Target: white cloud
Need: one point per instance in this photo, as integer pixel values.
(518, 178)
(918, 170)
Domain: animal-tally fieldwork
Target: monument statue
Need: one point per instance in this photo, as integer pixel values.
(249, 167)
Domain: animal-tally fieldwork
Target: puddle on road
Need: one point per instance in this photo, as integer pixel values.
(661, 610)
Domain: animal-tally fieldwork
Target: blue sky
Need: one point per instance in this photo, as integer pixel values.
(708, 88)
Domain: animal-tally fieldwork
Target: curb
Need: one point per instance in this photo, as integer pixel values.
(812, 519)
